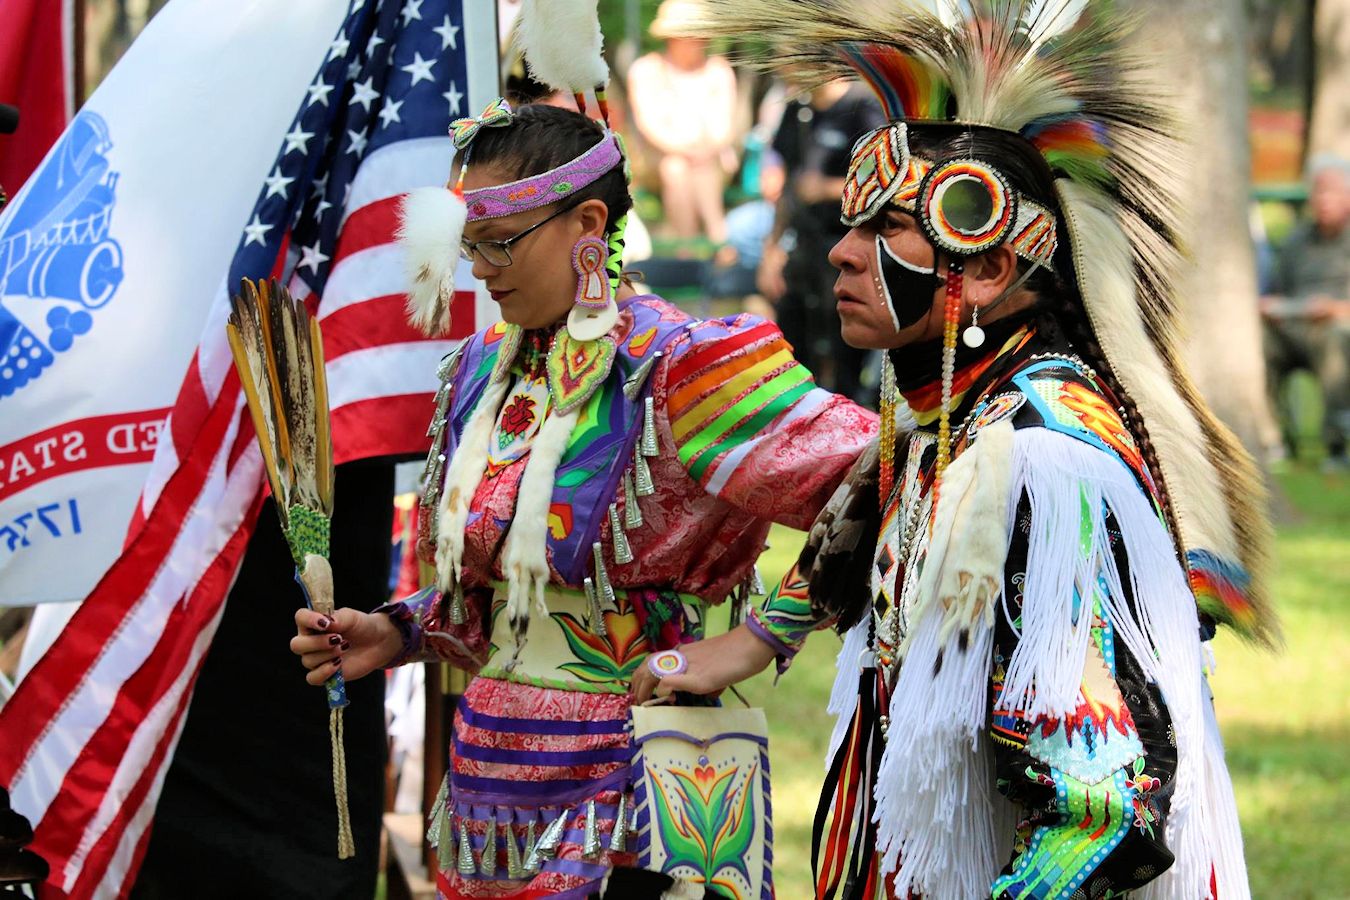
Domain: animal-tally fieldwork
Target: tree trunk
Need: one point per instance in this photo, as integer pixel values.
(1203, 46)
(1330, 127)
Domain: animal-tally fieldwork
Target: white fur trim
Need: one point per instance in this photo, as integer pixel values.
(525, 556)
(432, 225)
(1062, 474)
(562, 43)
(462, 477)
(844, 694)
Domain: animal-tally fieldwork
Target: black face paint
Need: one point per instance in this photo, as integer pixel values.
(906, 288)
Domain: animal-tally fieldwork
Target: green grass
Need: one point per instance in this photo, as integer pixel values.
(1285, 715)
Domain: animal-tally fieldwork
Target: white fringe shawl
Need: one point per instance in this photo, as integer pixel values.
(941, 821)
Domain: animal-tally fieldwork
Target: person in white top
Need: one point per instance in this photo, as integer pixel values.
(684, 102)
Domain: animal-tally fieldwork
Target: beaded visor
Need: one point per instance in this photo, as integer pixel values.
(965, 205)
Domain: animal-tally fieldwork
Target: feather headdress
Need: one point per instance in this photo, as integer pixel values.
(1065, 76)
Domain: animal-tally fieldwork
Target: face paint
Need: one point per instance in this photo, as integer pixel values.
(907, 289)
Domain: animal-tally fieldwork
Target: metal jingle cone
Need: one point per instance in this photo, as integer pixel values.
(593, 605)
(466, 864)
(459, 613)
(530, 850)
(642, 475)
(632, 386)
(623, 553)
(738, 607)
(590, 842)
(603, 589)
(757, 582)
(445, 841)
(515, 869)
(434, 480)
(548, 844)
(487, 863)
(649, 445)
(632, 513)
(618, 838)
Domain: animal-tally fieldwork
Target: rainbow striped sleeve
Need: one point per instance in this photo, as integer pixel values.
(729, 381)
(785, 618)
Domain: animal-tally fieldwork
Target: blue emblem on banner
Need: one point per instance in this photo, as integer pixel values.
(55, 248)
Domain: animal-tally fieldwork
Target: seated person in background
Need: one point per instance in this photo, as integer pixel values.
(1307, 317)
(748, 227)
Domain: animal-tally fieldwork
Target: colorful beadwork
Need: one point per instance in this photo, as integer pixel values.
(588, 261)
(667, 662)
(497, 114)
(576, 369)
(880, 160)
(966, 207)
(548, 187)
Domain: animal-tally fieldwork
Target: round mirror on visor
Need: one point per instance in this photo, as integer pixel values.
(966, 207)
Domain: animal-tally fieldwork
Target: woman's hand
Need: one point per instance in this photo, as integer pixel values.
(714, 665)
(350, 641)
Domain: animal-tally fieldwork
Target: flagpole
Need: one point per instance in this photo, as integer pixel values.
(77, 79)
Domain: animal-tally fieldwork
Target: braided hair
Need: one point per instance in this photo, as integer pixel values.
(542, 137)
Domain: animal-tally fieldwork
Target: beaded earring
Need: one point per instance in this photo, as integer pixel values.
(594, 311)
(955, 283)
(973, 336)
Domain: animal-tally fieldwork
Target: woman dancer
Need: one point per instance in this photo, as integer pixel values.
(1022, 704)
(605, 467)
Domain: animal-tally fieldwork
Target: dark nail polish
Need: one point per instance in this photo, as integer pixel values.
(346, 645)
(337, 662)
(335, 639)
(323, 623)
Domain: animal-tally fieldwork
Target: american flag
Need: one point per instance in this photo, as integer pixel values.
(89, 735)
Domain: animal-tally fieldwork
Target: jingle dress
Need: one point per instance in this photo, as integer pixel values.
(702, 434)
(1033, 727)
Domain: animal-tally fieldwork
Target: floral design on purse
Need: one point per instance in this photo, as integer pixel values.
(702, 797)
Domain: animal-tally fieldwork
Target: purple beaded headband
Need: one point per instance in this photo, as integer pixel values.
(548, 187)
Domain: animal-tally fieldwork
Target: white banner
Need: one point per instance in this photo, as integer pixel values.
(110, 257)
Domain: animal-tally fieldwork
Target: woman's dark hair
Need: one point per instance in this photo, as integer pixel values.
(544, 137)
(1061, 304)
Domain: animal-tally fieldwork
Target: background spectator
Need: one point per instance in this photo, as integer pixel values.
(1307, 322)
(749, 226)
(814, 141)
(684, 105)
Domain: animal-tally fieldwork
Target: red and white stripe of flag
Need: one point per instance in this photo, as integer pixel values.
(108, 702)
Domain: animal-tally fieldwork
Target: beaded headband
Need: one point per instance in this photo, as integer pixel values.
(964, 205)
(547, 187)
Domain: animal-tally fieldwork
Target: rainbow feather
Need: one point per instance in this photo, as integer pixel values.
(908, 87)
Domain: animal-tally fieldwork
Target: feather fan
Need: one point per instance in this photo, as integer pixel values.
(278, 351)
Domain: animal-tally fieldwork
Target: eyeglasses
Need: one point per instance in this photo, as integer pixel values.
(498, 253)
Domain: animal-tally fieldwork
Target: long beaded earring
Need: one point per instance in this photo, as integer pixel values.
(951, 320)
(886, 438)
(594, 311)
